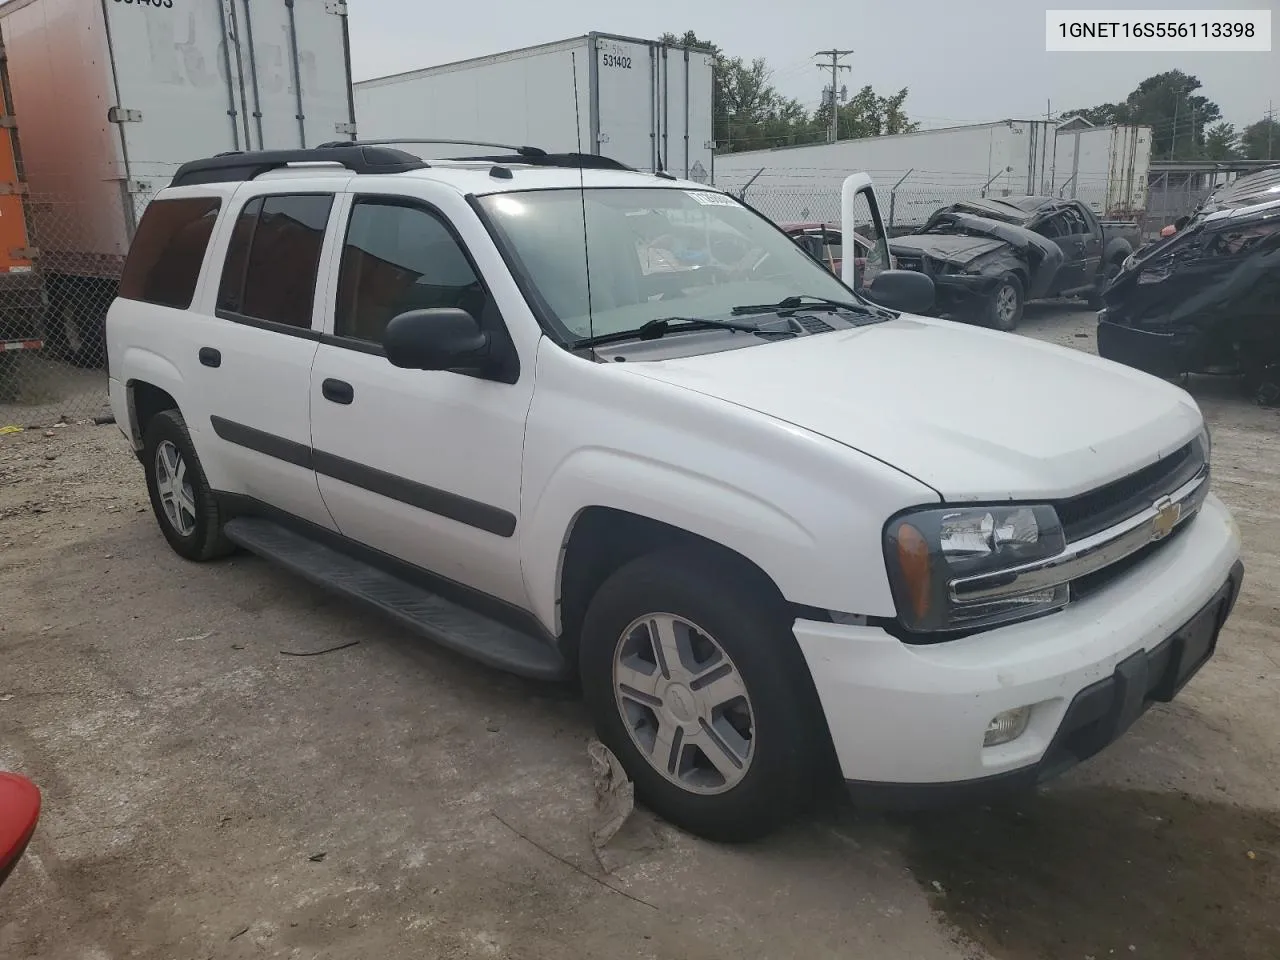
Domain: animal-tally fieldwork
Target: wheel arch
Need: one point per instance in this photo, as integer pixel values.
(152, 384)
(602, 539)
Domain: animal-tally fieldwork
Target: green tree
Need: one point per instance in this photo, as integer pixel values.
(867, 114)
(1261, 140)
(1168, 103)
(750, 114)
(1221, 142)
(1104, 115)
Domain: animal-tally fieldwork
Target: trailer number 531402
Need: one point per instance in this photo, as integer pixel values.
(614, 60)
(156, 4)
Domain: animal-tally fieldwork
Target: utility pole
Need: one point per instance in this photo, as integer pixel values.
(835, 66)
(1271, 127)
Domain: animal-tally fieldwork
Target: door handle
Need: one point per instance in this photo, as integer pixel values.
(210, 357)
(339, 391)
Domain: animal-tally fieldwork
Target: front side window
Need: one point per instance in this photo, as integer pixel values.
(398, 258)
(643, 254)
(168, 250)
(274, 258)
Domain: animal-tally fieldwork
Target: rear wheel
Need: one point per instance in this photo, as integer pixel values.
(183, 502)
(1004, 308)
(695, 682)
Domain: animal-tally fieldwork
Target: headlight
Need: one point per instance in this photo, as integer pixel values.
(1206, 442)
(928, 550)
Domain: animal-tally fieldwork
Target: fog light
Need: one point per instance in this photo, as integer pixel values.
(1007, 726)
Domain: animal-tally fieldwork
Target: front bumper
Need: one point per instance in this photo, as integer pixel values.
(1165, 353)
(956, 293)
(908, 722)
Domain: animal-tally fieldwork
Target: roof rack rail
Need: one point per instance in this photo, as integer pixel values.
(530, 156)
(522, 151)
(573, 161)
(239, 166)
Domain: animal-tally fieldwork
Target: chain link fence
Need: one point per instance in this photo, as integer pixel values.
(56, 284)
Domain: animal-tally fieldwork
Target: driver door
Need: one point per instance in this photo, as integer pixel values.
(421, 465)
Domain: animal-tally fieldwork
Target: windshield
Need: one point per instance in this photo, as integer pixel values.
(653, 253)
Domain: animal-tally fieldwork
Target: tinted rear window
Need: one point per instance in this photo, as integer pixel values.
(274, 258)
(164, 260)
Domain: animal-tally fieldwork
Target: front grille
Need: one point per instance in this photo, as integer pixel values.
(1106, 506)
(1086, 586)
(910, 263)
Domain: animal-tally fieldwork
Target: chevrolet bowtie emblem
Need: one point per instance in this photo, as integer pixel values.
(1167, 516)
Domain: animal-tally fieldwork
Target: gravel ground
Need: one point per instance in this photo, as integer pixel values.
(209, 795)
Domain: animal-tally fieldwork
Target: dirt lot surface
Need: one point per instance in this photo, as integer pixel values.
(210, 795)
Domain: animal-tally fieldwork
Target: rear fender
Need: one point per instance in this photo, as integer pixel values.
(148, 367)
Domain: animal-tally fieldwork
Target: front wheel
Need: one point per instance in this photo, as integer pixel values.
(1004, 309)
(696, 683)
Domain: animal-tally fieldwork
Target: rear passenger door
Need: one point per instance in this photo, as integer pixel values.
(1089, 236)
(1061, 230)
(255, 354)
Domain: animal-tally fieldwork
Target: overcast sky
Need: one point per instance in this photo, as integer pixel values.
(964, 60)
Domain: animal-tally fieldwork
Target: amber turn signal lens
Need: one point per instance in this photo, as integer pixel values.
(913, 561)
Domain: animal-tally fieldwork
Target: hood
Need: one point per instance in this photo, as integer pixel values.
(974, 414)
(947, 248)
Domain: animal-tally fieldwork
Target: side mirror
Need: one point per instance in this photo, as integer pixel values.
(443, 338)
(19, 812)
(904, 290)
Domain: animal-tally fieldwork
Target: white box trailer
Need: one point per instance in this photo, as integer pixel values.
(1105, 168)
(640, 102)
(917, 172)
(112, 96)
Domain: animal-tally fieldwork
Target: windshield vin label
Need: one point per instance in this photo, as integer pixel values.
(709, 199)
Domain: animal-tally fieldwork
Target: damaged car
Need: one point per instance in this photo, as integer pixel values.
(988, 257)
(1207, 299)
(824, 242)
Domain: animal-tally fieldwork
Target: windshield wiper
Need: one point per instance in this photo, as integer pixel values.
(655, 329)
(817, 303)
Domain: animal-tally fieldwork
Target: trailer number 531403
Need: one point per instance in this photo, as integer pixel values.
(614, 60)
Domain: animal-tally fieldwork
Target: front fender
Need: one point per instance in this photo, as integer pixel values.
(703, 505)
(1116, 250)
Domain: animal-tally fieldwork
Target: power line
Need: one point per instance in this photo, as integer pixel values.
(836, 66)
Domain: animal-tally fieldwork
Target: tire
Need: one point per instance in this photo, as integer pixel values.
(767, 688)
(197, 534)
(74, 324)
(1003, 309)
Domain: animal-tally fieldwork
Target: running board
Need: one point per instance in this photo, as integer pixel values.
(448, 624)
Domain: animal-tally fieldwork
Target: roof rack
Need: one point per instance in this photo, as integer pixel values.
(372, 157)
(522, 151)
(529, 156)
(236, 166)
(573, 161)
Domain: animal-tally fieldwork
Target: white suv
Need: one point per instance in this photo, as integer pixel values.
(582, 422)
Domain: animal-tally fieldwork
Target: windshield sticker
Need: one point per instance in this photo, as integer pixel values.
(708, 199)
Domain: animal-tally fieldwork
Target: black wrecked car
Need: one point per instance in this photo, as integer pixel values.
(1207, 299)
(989, 257)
